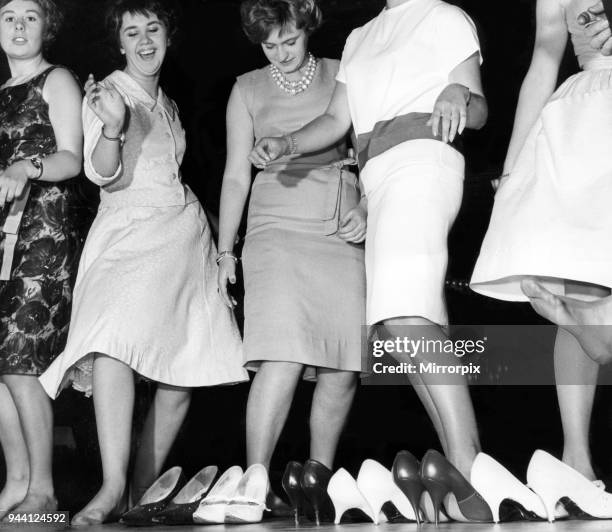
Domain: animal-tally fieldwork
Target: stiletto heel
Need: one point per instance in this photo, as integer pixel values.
(437, 491)
(155, 499)
(440, 478)
(345, 495)
(182, 507)
(375, 482)
(314, 483)
(555, 481)
(496, 485)
(291, 485)
(407, 478)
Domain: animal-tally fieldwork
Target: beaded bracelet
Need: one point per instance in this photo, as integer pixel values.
(226, 254)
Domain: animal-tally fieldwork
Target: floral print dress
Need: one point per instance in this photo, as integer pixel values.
(35, 302)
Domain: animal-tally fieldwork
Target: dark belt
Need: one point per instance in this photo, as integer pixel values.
(389, 133)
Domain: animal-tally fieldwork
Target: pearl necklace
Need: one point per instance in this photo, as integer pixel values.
(295, 87)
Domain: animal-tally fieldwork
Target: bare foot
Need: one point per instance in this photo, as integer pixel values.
(106, 506)
(12, 495)
(589, 321)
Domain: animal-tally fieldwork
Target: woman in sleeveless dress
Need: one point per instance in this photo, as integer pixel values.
(302, 259)
(551, 219)
(145, 298)
(40, 150)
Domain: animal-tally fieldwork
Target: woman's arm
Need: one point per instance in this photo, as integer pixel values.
(63, 96)
(104, 121)
(461, 104)
(541, 78)
(235, 188)
(322, 132)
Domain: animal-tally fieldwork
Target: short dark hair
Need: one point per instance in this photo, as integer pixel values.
(260, 17)
(163, 9)
(53, 18)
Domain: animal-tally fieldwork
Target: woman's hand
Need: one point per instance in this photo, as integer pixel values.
(14, 179)
(268, 150)
(598, 30)
(451, 110)
(104, 99)
(353, 226)
(227, 273)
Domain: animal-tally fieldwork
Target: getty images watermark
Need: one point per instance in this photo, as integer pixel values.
(424, 350)
(517, 355)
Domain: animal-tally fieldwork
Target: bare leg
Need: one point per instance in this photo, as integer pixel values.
(113, 393)
(36, 417)
(455, 422)
(163, 422)
(269, 402)
(331, 404)
(589, 321)
(15, 454)
(576, 400)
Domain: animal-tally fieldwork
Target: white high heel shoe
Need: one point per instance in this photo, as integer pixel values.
(212, 508)
(496, 484)
(249, 500)
(376, 484)
(553, 480)
(344, 494)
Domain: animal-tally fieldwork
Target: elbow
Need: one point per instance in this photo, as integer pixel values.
(481, 115)
(74, 166)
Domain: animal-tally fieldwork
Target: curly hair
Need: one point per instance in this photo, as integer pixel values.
(53, 18)
(163, 9)
(260, 17)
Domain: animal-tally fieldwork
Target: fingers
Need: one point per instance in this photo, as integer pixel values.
(89, 83)
(3, 194)
(223, 291)
(597, 8)
(259, 156)
(434, 121)
(455, 121)
(606, 49)
(356, 236)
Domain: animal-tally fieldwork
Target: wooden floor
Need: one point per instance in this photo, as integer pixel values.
(287, 525)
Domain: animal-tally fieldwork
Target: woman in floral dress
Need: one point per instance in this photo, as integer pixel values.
(40, 150)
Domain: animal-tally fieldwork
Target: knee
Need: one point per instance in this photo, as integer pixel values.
(173, 398)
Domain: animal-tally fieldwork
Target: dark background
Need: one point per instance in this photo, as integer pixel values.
(199, 72)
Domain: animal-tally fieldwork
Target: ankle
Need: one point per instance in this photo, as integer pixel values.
(581, 464)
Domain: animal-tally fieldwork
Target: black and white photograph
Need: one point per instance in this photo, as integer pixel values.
(306, 264)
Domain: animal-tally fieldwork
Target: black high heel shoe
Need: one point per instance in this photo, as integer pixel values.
(407, 477)
(182, 507)
(293, 489)
(155, 499)
(440, 478)
(314, 481)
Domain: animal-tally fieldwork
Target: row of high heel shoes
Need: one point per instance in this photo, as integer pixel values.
(434, 490)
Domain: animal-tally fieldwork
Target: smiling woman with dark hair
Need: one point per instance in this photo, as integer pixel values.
(40, 150)
(145, 300)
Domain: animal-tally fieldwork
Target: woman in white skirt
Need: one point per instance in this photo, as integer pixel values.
(145, 299)
(409, 83)
(552, 219)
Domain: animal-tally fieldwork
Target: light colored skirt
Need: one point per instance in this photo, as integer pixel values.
(304, 286)
(146, 295)
(414, 193)
(552, 215)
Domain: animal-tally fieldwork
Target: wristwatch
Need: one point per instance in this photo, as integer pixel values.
(38, 164)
